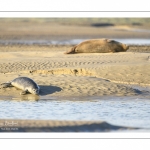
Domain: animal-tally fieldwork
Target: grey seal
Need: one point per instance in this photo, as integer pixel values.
(98, 46)
(24, 83)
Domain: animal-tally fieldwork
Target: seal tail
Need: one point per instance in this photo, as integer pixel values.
(71, 51)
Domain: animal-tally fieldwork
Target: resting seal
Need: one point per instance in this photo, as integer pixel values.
(25, 84)
(98, 46)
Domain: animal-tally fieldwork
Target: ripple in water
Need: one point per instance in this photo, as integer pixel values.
(117, 111)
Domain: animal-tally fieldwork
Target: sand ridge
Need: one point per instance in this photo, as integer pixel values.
(9, 125)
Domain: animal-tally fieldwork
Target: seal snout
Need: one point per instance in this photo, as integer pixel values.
(35, 91)
(125, 47)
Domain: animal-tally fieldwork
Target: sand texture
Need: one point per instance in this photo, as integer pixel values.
(60, 75)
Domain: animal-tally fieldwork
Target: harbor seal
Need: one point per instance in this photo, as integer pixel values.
(25, 84)
(98, 46)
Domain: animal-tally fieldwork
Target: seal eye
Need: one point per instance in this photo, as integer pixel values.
(33, 90)
(36, 91)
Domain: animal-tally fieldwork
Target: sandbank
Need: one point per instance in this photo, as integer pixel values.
(74, 75)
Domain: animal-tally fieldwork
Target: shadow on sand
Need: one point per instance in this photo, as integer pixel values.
(45, 89)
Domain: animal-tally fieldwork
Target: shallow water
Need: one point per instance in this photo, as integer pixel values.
(126, 111)
(70, 42)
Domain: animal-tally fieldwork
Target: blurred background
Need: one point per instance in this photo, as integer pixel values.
(48, 31)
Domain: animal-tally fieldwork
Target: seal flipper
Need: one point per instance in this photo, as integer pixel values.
(71, 51)
(5, 85)
(23, 92)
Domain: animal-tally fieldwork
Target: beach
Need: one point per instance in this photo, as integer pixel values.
(72, 76)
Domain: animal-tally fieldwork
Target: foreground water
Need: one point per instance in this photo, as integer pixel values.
(126, 111)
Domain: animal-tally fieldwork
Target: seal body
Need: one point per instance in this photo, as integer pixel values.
(24, 83)
(98, 46)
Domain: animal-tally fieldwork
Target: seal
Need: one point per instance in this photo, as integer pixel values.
(24, 83)
(98, 46)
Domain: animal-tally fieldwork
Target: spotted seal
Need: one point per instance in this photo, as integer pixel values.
(24, 83)
(98, 46)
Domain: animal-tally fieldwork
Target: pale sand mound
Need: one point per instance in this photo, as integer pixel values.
(60, 75)
(70, 86)
(8, 125)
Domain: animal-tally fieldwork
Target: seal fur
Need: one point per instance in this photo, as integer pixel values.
(98, 46)
(24, 83)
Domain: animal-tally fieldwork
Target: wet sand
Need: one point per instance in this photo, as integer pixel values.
(8, 125)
